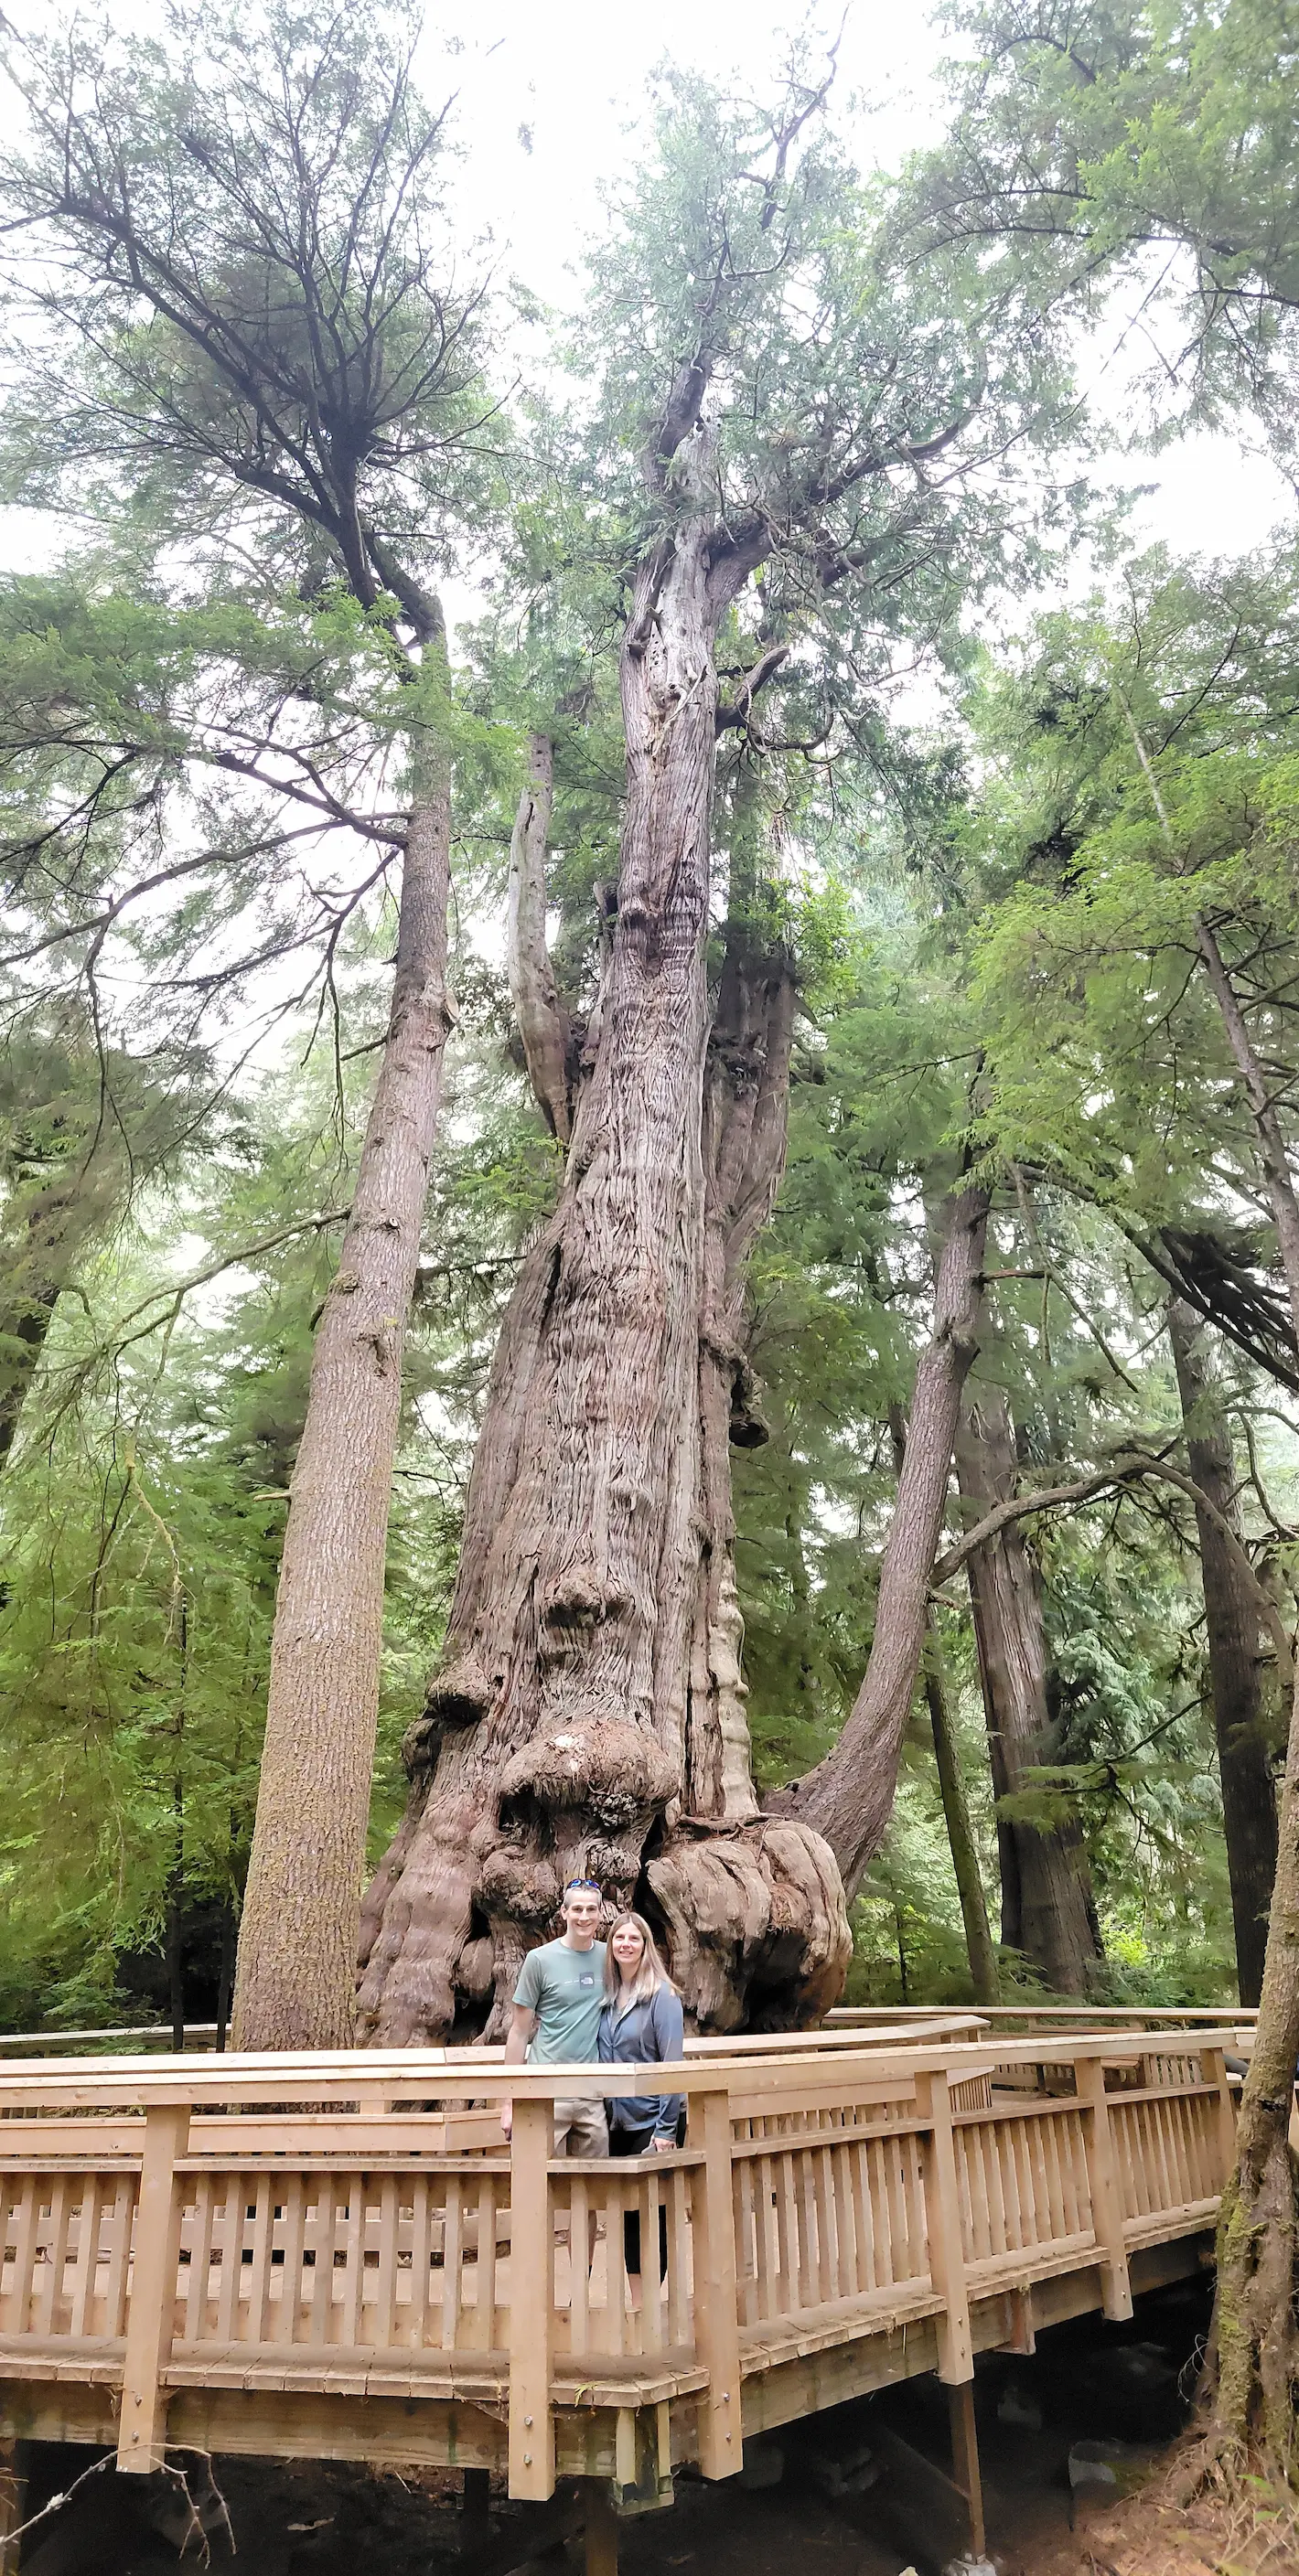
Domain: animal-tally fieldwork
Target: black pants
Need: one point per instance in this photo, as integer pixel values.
(639, 2142)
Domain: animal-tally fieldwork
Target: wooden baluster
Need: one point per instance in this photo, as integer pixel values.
(943, 2228)
(532, 2428)
(27, 2213)
(142, 2426)
(787, 2213)
(119, 2255)
(484, 2321)
(322, 2287)
(420, 2251)
(232, 2259)
(651, 2198)
(87, 2262)
(385, 2299)
(291, 2277)
(452, 2255)
(46, 2302)
(259, 2275)
(1103, 2182)
(679, 2327)
(350, 2328)
(717, 2323)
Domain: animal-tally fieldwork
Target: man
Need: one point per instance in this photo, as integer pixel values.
(556, 2021)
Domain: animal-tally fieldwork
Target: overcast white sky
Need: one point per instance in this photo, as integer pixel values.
(549, 93)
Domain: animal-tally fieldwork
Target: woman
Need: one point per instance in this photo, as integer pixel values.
(641, 2025)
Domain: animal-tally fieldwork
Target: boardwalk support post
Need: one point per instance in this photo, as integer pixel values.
(601, 2531)
(717, 2316)
(155, 2253)
(475, 2510)
(532, 2263)
(965, 2460)
(943, 2227)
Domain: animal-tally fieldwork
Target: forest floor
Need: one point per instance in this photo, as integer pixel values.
(1155, 2532)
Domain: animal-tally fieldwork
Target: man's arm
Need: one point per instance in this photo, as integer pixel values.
(523, 2022)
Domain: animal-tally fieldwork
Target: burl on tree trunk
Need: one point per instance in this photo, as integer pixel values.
(588, 1718)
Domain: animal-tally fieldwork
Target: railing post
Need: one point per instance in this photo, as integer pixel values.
(1103, 2184)
(532, 2273)
(717, 2314)
(155, 2250)
(1214, 2065)
(943, 2228)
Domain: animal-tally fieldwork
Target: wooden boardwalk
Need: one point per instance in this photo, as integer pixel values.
(341, 2258)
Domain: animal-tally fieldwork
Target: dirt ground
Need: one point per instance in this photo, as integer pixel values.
(1155, 2533)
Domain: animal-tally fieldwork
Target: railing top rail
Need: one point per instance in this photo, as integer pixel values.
(362, 2074)
(845, 2015)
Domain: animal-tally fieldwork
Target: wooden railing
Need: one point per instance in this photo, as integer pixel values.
(357, 2227)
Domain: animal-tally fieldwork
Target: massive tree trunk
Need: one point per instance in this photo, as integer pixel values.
(1046, 1905)
(1235, 1669)
(849, 1796)
(296, 1978)
(589, 1713)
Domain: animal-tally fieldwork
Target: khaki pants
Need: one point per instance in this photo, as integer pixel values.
(581, 2127)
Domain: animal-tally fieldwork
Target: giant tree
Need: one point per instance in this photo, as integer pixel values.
(808, 436)
(240, 229)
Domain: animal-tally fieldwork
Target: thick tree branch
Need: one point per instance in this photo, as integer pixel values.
(544, 1024)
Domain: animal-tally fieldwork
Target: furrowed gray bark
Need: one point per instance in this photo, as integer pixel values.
(1240, 1718)
(1047, 1910)
(296, 1978)
(588, 1715)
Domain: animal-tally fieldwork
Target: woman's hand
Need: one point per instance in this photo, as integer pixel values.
(664, 2146)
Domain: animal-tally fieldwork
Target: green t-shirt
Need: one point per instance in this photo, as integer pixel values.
(565, 1989)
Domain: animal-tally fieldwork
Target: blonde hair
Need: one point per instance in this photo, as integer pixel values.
(651, 1972)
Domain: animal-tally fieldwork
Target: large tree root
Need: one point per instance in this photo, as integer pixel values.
(752, 1912)
(755, 1920)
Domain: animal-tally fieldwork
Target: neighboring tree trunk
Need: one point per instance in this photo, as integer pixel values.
(849, 1796)
(1258, 2234)
(956, 1808)
(588, 1717)
(960, 1833)
(295, 1982)
(1046, 1905)
(1235, 1670)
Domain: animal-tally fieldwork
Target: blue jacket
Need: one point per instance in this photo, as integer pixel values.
(645, 2035)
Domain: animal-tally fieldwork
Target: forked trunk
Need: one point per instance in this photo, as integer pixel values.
(588, 1718)
(1235, 1668)
(296, 1979)
(849, 1796)
(1047, 1910)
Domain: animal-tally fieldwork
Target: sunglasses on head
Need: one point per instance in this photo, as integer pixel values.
(584, 1887)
